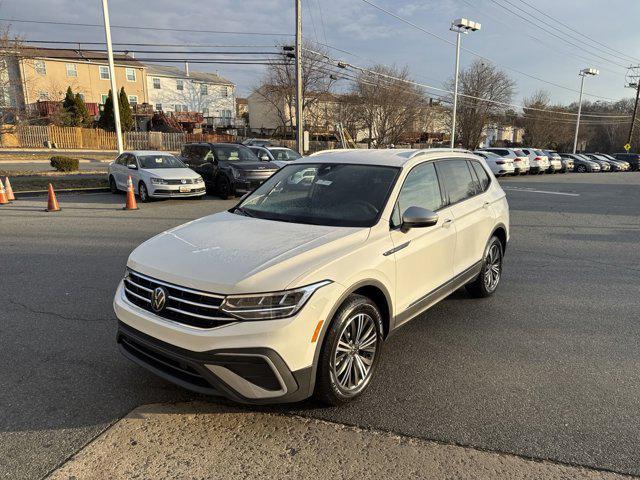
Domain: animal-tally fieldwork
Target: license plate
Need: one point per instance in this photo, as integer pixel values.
(185, 189)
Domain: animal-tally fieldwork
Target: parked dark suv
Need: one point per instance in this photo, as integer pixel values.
(632, 158)
(227, 168)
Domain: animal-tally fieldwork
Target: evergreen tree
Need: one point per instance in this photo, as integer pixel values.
(126, 117)
(86, 120)
(69, 117)
(107, 120)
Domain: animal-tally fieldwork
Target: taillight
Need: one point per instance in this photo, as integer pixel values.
(500, 162)
(517, 159)
(538, 158)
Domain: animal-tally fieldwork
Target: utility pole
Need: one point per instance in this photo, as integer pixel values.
(112, 75)
(299, 102)
(583, 73)
(634, 83)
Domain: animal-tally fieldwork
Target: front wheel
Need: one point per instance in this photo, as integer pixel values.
(350, 351)
(143, 193)
(487, 281)
(223, 188)
(113, 188)
(581, 169)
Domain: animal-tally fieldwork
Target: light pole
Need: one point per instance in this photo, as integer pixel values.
(112, 75)
(299, 99)
(459, 26)
(583, 73)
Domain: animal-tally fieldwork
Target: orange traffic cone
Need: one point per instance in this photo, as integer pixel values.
(52, 202)
(131, 198)
(3, 195)
(7, 186)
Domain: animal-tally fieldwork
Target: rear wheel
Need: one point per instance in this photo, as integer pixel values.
(487, 281)
(350, 351)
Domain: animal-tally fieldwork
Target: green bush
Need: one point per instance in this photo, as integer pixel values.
(65, 164)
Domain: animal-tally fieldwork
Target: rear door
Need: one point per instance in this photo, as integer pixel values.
(470, 206)
(424, 256)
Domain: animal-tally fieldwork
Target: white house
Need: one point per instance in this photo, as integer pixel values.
(174, 90)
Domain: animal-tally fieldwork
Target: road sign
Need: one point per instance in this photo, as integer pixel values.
(627, 147)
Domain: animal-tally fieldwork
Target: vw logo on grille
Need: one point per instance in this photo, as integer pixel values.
(158, 299)
(183, 181)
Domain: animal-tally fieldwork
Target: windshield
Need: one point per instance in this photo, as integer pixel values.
(159, 161)
(285, 154)
(234, 153)
(343, 195)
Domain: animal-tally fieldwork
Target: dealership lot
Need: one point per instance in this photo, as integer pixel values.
(546, 369)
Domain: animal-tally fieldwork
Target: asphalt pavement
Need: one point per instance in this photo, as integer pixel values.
(545, 369)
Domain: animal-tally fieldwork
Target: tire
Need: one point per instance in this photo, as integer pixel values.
(581, 169)
(223, 188)
(487, 281)
(143, 193)
(113, 187)
(335, 387)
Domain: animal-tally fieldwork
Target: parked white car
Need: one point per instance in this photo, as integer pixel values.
(154, 175)
(538, 161)
(281, 156)
(293, 291)
(520, 160)
(500, 166)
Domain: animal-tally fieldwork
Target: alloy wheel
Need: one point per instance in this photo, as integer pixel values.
(354, 353)
(144, 195)
(493, 267)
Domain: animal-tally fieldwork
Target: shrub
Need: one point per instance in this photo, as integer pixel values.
(64, 164)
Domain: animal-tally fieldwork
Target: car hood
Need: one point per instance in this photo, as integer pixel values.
(228, 253)
(171, 173)
(253, 165)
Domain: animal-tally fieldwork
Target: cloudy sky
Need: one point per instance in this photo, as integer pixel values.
(596, 34)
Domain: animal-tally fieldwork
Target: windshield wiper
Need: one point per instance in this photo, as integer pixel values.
(244, 212)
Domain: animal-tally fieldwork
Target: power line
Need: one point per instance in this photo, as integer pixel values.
(404, 20)
(635, 59)
(192, 45)
(135, 27)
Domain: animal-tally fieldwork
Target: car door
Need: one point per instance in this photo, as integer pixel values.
(470, 207)
(116, 169)
(423, 256)
(124, 171)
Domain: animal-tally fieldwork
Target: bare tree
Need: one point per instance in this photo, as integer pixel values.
(390, 105)
(11, 102)
(481, 85)
(278, 86)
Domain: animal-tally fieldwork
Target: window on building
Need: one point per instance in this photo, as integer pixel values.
(103, 98)
(104, 72)
(40, 66)
(179, 85)
(180, 108)
(205, 111)
(225, 91)
(81, 96)
(204, 89)
(42, 96)
(226, 113)
(158, 107)
(133, 99)
(156, 83)
(131, 74)
(72, 70)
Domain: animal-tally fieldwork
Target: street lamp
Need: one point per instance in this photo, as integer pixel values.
(459, 26)
(583, 73)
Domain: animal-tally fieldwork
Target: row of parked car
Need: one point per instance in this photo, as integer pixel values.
(523, 161)
(230, 169)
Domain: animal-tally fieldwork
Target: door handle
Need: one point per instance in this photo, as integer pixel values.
(486, 205)
(447, 223)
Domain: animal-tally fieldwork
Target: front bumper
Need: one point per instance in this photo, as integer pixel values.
(267, 361)
(244, 185)
(173, 191)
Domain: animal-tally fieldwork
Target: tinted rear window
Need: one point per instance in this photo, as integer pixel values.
(458, 181)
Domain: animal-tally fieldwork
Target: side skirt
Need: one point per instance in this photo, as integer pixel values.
(433, 297)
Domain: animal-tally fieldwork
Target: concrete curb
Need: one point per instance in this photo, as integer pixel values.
(32, 193)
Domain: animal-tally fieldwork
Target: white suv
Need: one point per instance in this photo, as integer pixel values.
(293, 291)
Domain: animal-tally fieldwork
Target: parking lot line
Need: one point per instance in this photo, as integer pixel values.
(531, 190)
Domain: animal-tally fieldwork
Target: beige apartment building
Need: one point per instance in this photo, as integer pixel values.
(40, 74)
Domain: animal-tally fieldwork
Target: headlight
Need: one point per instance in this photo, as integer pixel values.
(199, 180)
(158, 181)
(269, 306)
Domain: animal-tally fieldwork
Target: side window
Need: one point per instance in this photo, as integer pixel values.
(458, 181)
(120, 159)
(482, 176)
(420, 189)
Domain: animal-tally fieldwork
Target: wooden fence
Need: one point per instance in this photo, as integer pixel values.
(43, 136)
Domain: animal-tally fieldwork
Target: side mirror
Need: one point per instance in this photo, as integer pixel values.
(132, 166)
(418, 217)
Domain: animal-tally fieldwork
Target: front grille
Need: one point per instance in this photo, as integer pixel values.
(186, 181)
(183, 305)
(259, 174)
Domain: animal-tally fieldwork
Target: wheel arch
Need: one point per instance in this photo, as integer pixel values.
(500, 231)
